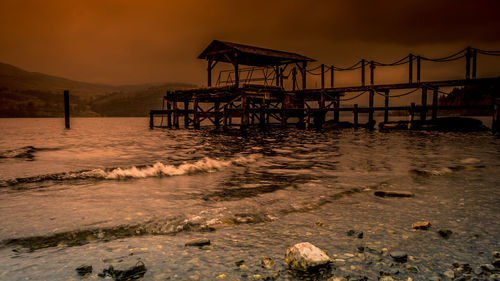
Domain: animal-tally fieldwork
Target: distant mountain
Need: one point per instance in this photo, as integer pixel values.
(31, 94)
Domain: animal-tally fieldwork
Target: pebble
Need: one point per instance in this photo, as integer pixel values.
(337, 279)
(496, 263)
(355, 233)
(423, 225)
(83, 270)
(222, 276)
(449, 274)
(267, 262)
(399, 256)
(488, 267)
(386, 278)
(385, 193)
(304, 256)
(495, 254)
(198, 242)
(445, 233)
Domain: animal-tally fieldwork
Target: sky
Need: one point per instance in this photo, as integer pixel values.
(130, 42)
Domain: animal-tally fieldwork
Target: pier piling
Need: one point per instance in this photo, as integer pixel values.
(66, 109)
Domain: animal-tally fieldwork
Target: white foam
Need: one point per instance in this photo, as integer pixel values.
(159, 169)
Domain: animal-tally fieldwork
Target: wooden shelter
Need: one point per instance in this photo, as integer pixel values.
(239, 54)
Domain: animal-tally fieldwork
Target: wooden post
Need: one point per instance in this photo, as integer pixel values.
(277, 72)
(209, 72)
(186, 114)
(169, 114)
(196, 115)
(362, 72)
(423, 112)
(262, 117)
(308, 118)
(412, 116)
(176, 115)
(372, 70)
(331, 76)
(435, 104)
(151, 120)
(386, 106)
(283, 111)
(267, 115)
(355, 112)
(467, 63)
(418, 69)
(244, 112)
(217, 113)
(410, 69)
(304, 78)
(322, 76)
(66, 109)
(370, 105)
(474, 63)
(236, 71)
(281, 77)
(294, 78)
(225, 116)
(495, 126)
(336, 105)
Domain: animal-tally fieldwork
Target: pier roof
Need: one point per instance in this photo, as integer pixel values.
(249, 55)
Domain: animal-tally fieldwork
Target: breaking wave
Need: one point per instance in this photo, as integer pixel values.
(157, 170)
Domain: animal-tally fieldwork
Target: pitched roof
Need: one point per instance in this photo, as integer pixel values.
(249, 55)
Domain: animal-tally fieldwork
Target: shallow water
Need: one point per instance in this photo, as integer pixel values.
(111, 190)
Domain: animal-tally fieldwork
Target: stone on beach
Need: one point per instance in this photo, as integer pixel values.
(399, 256)
(84, 269)
(355, 233)
(445, 233)
(392, 193)
(267, 262)
(305, 256)
(198, 242)
(125, 271)
(424, 225)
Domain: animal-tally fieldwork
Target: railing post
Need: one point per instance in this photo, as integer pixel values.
(435, 104)
(410, 70)
(66, 109)
(386, 106)
(423, 112)
(355, 112)
(322, 76)
(209, 72)
(372, 70)
(332, 69)
(467, 63)
(304, 78)
(362, 72)
(418, 69)
(474, 63)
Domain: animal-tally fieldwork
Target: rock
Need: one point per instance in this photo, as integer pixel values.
(495, 276)
(495, 254)
(355, 233)
(445, 233)
(198, 242)
(478, 270)
(385, 193)
(399, 256)
(84, 270)
(334, 278)
(361, 249)
(386, 278)
(496, 263)
(267, 262)
(126, 272)
(222, 276)
(449, 274)
(434, 278)
(424, 225)
(305, 256)
(487, 267)
(240, 262)
(412, 268)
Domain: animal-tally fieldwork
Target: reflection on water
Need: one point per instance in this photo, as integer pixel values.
(111, 187)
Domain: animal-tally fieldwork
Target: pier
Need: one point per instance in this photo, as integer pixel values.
(257, 95)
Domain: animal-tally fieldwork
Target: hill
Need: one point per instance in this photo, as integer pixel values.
(31, 94)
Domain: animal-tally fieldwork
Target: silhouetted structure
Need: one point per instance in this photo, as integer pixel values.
(258, 92)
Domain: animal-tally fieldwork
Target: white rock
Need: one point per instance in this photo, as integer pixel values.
(303, 256)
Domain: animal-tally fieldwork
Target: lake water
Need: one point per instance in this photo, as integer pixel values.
(111, 191)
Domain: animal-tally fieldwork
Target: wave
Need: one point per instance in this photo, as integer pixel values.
(25, 152)
(157, 170)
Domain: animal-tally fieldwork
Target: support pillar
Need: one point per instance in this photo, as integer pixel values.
(418, 69)
(217, 114)
(355, 112)
(370, 105)
(66, 109)
(169, 114)
(423, 112)
(362, 72)
(196, 115)
(176, 116)
(244, 112)
(435, 104)
(186, 114)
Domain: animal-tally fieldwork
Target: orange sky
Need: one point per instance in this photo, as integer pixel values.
(128, 42)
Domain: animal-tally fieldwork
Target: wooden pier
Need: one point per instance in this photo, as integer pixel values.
(257, 95)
